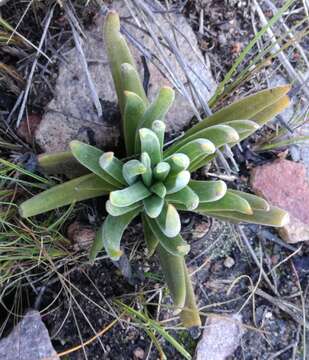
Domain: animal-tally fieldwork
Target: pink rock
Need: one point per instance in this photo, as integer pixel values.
(283, 183)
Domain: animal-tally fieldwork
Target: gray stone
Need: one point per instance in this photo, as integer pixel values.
(220, 338)
(71, 113)
(29, 340)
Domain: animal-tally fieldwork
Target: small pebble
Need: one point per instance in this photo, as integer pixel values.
(229, 262)
(139, 353)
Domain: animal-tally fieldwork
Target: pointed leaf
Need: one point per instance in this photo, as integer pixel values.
(112, 166)
(117, 211)
(169, 221)
(229, 202)
(131, 170)
(82, 188)
(151, 145)
(175, 246)
(172, 268)
(110, 234)
(161, 171)
(186, 197)
(245, 108)
(147, 176)
(129, 195)
(89, 157)
(118, 53)
(133, 112)
(176, 182)
(190, 315)
(219, 135)
(153, 206)
(208, 191)
(256, 202)
(159, 189)
(271, 111)
(275, 216)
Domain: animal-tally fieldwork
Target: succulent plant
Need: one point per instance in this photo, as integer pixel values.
(155, 182)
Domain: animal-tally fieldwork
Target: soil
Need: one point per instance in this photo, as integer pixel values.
(89, 293)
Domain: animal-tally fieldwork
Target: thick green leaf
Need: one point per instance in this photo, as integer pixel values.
(208, 191)
(112, 166)
(229, 202)
(174, 245)
(161, 171)
(150, 144)
(151, 240)
(178, 162)
(197, 148)
(256, 202)
(245, 108)
(268, 113)
(62, 162)
(131, 170)
(117, 211)
(133, 112)
(190, 315)
(219, 135)
(173, 270)
(243, 127)
(169, 221)
(82, 188)
(110, 234)
(176, 182)
(118, 53)
(275, 216)
(186, 197)
(147, 176)
(158, 127)
(129, 195)
(130, 81)
(89, 157)
(153, 206)
(156, 110)
(159, 189)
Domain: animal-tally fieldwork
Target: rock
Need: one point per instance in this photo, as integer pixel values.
(29, 340)
(72, 115)
(81, 236)
(283, 183)
(28, 126)
(229, 262)
(220, 338)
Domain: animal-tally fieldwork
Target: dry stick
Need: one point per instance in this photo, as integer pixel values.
(281, 56)
(290, 309)
(29, 80)
(254, 257)
(77, 41)
(289, 33)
